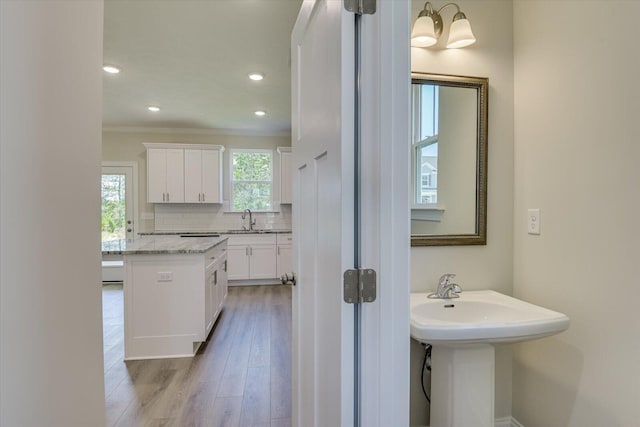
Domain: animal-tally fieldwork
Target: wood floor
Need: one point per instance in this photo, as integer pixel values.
(240, 377)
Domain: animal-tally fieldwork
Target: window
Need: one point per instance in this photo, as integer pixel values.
(425, 144)
(251, 180)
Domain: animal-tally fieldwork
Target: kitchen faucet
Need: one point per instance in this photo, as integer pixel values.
(252, 221)
(446, 289)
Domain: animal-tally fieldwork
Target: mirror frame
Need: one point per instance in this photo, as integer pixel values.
(481, 84)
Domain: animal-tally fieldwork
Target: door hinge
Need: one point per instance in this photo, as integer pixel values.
(361, 7)
(359, 286)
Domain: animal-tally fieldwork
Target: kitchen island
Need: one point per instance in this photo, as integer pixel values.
(174, 290)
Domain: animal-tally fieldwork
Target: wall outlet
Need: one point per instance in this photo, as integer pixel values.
(165, 276)
(533, 221)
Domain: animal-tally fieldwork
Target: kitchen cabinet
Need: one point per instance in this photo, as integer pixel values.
(184, 173)
(286, 176)
(174, 291)
(165, 175)
(203, 175)
(215, 286)
(252, 256)
(284, 255)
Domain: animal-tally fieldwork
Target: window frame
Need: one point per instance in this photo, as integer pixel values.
(232, 181)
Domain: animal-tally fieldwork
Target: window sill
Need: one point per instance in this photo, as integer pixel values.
(427, 213)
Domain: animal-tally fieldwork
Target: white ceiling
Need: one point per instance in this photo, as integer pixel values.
(192, 59)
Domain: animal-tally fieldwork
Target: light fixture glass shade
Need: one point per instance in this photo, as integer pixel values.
(460, 34)
(423, 34)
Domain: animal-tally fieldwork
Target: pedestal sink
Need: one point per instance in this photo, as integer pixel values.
(462, 332)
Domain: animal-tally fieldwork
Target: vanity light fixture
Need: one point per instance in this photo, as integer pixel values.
(256, 76)
(428, 28)
(153, 108)
(111, 69)
(260, 113)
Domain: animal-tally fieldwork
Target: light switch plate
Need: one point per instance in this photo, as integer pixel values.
(533, 221)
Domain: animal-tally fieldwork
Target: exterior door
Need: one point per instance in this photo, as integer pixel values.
(119, 194)
(350, 362)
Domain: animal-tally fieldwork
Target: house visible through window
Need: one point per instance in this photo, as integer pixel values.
(251, 180)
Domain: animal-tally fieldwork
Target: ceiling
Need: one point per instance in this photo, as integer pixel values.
(192, 59)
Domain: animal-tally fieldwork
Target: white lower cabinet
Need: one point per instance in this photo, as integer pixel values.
(284, 255)
(252, 256)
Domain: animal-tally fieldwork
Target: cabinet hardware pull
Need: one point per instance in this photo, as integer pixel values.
(203, 197)
(167, 197)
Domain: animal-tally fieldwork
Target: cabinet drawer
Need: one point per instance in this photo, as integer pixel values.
(252, 239)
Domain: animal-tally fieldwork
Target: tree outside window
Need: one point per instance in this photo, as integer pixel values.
(251, 180)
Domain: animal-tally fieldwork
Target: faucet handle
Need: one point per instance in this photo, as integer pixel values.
(445, 278)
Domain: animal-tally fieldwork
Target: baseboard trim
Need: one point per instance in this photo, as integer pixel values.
(507, 422)
(501, 422)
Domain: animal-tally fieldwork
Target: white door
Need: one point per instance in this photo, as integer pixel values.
(193, 176)
(350, 362)
(211, 176)
(262, 261)
(119, 196)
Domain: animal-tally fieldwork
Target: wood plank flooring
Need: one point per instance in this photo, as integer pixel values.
(240, 377)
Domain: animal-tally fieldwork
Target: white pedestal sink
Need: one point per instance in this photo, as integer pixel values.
(462, 332)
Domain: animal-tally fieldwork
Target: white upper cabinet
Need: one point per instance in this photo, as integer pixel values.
(165, 175)
(184, 173)
(203, 175)
(285, 175)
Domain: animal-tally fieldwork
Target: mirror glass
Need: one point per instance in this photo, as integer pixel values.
(448, 160)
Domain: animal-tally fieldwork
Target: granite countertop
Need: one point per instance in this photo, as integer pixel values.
(184, 233)
(161, 245)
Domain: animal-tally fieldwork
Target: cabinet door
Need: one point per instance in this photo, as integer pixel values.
(285, 177)
(263, 262)
(211, 174)
(208, 301)
(156, 175)
(224, 283)
(175, 175)
(285, 260)
(237, 262)
(192, 176)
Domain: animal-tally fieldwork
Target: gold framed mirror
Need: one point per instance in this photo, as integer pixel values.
(448, 160)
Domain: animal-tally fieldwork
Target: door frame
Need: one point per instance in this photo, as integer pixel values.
(134, 184)
(385, 236)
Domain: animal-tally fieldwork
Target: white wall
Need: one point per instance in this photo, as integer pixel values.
(577, 102)
(51, 352)
(490, 266)
(126, 145)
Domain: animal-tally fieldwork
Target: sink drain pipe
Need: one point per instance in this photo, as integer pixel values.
(426, 365)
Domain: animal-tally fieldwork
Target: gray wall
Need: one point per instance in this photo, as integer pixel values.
(477, 267)
(51, 352)
(576, 158)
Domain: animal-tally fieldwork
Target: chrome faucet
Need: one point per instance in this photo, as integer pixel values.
(252, 221)
(446, 289)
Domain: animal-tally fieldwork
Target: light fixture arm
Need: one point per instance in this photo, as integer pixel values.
(437, 17)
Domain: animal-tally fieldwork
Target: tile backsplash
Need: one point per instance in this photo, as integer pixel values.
(196, 217)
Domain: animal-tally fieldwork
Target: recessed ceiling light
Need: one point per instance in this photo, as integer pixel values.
(111, 69)
(256, 76)
(153, 108)
(260, 113)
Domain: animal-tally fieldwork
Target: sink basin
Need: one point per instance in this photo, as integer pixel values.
(462, 332)
(247, 231)
(481, 317)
